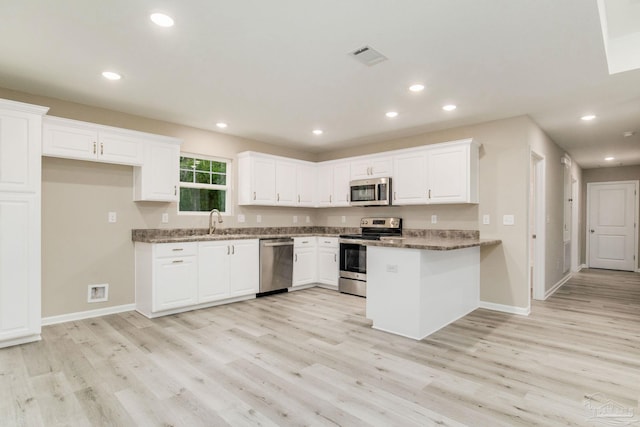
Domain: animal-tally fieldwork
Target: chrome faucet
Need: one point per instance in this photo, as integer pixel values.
(212, 223)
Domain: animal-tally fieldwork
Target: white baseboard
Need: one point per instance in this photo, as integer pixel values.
(522, 311)
(52, 320)
(557, 286)
(583, 266)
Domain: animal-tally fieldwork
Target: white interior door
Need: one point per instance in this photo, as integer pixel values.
(611, 225)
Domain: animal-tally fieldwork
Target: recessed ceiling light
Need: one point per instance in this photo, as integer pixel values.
(391, 114)
(221, 125)
(449, 107)
(609, 158)
(110, 75)
(162, 20)
(588, 117)
(317, 132)
(416, 88)
(628, 134)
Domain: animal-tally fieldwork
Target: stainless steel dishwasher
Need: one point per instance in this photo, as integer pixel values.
(276, 265)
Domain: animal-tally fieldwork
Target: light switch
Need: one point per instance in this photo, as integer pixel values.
(486, 220)
(295, 219)
(165, 218)
(308, 219)
(112, 217)
(508, 220)
(258, 219)
(434, 219)
(344, 219)
(241, 218)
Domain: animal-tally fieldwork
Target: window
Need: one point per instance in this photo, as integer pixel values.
(204, 184)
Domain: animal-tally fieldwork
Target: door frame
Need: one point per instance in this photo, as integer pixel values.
(575, 225)
(636, 183)
(538, 211)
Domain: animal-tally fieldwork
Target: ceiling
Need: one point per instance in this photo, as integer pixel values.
(275, 70)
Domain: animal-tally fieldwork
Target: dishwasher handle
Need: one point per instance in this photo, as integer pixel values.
(269, 244)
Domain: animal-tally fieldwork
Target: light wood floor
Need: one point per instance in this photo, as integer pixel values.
(310, 358)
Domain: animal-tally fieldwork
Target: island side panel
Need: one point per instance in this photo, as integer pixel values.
(393, 287)
(450, 287)
(415, 292)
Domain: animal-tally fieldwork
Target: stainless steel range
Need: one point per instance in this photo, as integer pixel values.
(353, 256)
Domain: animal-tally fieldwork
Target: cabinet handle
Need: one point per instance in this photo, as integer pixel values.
(177, 249)
(330, 197)
(254, 195)
(177, 261)
(296, 258)
(101, 148)
(305, 241)
(175, 190)
(394, 195)
(335, 258)
(278, 197)
(233, 249)
(228, 249)
(95, 147)
(347, 197)
(298, 198)
(429, 193)
(327, 241)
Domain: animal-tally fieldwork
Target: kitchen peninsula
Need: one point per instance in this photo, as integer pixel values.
(416, 283)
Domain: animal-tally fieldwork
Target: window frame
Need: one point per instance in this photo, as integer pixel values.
(227, 188)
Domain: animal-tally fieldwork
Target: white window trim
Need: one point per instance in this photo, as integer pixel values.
(228, 188)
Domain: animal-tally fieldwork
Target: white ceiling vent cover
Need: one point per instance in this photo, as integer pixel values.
(368, 56)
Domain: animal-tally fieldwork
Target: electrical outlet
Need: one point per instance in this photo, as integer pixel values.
(392, 268)
(295, 219)
(508, 220)
(112, 217)
(308, 219)
(165, 218)
(258, 219)
(434, 219)
(486, 220)
(241, 218)
(344, 219)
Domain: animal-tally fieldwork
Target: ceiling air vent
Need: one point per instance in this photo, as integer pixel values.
(368, 56)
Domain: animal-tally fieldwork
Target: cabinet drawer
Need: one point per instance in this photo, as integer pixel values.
(163, 250)
(328, 242)
(304, 242)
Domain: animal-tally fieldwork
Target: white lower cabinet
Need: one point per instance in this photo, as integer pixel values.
(328, 261)
(304, 261)
(174, 277)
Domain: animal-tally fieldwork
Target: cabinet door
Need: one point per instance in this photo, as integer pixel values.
(409, 183)
(213, 271)
(286, 183)
(324, 189)
(306, 185)
(381, 167)
(448, 174)
(360, 169)
(121, 149)
(20, 141)
(328, 271)
(175, 282)
(244, 265)
(341, 179)
(304, 266)
(157, 179)
(69, 141)
(371, 168)
(19, 266)
(263, 179)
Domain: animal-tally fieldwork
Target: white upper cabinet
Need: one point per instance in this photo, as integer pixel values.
(158, 178)
(372, 167)
(274, 181)
(286, 188)
(452, 172)
(332, 188)
(20, 139)
(73, 139)
(409, 183)
(306, 177)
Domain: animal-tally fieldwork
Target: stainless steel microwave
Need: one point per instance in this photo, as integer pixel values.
(370, 192)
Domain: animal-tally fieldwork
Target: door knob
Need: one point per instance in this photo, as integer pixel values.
(592, 230)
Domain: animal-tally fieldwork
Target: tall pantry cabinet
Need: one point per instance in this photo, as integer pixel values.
(20, 184)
